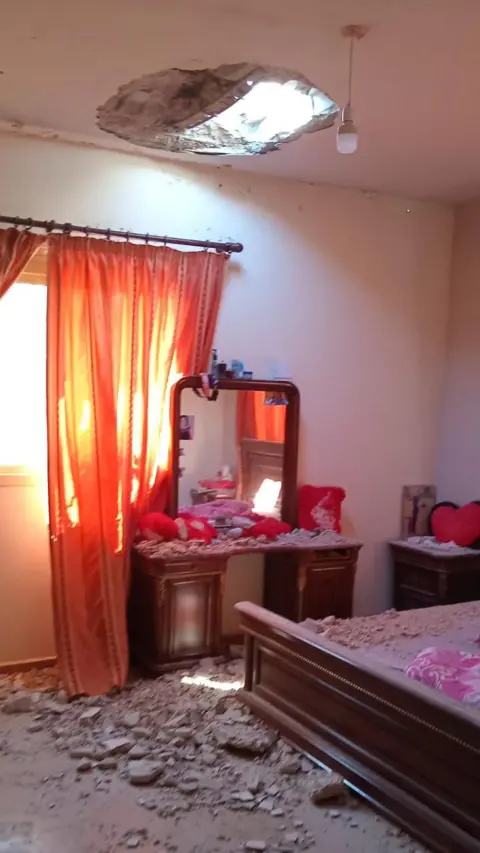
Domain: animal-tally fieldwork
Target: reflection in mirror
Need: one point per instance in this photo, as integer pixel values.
(232, 451)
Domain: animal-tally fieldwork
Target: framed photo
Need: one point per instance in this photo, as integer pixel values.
(417, 503)
(187, 424)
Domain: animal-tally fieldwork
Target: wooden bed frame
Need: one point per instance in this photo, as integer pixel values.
(411, 752)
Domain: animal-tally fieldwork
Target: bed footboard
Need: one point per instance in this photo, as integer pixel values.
(410, 751)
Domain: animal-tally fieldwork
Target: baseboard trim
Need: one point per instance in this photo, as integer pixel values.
(25, 665)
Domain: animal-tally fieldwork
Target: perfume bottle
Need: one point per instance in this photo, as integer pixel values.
(214, 365)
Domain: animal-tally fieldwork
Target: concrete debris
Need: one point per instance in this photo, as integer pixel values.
(118, 745)
(131, 720)
(137, 751)
(90, 715)
(187, 749)
(291, 767)
(144, 772)
(109, 763)
(242, 739)
(331, 787)
(20, 703)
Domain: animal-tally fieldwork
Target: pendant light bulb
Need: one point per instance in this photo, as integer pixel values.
(347, 133)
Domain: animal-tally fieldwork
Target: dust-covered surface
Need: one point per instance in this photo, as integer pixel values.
(391, 628)
(175, 764)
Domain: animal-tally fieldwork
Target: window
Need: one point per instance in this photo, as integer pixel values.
(23, 428)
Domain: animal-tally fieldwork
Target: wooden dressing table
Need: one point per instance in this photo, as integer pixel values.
(175, 615)
(175, 608)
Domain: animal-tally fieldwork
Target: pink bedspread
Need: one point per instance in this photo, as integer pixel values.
(455, 673)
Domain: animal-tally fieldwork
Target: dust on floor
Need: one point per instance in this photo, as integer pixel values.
(174, 764)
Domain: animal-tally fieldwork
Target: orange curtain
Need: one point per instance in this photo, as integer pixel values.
(256, 420)
(124, 323)
(16, 249)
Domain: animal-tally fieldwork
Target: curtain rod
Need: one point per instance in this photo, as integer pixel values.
(68, 228)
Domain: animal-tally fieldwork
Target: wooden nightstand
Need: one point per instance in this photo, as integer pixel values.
(424, 577)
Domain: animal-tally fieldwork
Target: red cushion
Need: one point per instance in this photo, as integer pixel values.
(157, 525)
(269, 527)
(461, 526)
(320, 507)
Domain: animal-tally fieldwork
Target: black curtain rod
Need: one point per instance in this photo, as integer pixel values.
(68, 228)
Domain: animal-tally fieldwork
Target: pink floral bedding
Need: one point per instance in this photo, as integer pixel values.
(455, 673)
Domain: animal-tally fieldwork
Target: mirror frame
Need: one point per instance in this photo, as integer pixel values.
(292, 422)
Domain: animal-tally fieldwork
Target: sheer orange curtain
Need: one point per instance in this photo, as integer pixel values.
(256, 420)
(16, 249)
(124, 323)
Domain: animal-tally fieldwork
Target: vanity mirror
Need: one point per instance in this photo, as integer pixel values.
(240, 446)
(234, 468)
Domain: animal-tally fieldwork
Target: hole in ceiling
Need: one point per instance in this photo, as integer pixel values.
(234, 109)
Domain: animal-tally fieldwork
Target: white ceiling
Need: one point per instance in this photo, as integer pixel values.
(416, 78)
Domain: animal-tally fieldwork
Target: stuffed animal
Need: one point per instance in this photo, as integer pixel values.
(158, 527)
(194, 528)
(269, 527)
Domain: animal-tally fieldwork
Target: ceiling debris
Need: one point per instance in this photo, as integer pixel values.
(240, 109)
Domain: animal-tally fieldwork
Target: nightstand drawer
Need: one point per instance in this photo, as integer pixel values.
(416, 577)
(407, 598)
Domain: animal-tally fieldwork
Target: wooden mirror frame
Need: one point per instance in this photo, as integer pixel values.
(292, 421)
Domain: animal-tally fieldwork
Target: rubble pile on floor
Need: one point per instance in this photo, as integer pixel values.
(181, 742)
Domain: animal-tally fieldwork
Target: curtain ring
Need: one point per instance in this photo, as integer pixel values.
(109, 233)
(67, 229)
(127, 236)
(49, 226)
(29, 224)
(147, 238)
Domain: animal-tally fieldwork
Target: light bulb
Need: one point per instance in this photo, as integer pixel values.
(347, 133)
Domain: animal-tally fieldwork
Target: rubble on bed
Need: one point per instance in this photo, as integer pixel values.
(223, 544)
(390, 626)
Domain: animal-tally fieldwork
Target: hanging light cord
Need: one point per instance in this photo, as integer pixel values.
(350, 72)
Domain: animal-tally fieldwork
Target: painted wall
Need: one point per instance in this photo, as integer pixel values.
(348, 290)
(459, 447)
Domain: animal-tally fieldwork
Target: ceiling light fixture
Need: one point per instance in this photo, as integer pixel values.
(347, 133)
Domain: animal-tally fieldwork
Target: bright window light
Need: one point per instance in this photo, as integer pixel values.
(267, 496)
(23, 422)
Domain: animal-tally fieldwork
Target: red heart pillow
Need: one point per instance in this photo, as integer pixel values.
(461, 526)
(158, 526)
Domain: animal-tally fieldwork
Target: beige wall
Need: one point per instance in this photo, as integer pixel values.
(459, 448)
(348, 290)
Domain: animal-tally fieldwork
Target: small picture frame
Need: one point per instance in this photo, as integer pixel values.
(417, 504)
(187, 425)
